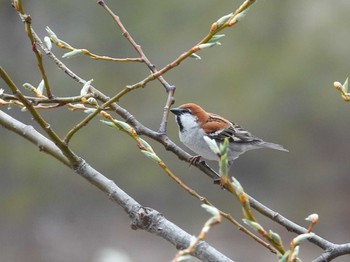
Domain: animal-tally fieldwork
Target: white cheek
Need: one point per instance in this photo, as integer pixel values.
(188, 121)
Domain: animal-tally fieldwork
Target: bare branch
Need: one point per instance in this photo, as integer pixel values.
(183, 155)
(29, 133)
(142, 217)
(28, 27)
(170, 89)
(333, 251)
(43, 124)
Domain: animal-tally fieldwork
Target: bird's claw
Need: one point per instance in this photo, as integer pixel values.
(194, 160)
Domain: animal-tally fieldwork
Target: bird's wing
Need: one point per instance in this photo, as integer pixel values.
(235, 133)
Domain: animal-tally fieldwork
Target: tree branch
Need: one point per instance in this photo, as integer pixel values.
(29, 133)
(141, 217)
(183, 155)
(333, 251)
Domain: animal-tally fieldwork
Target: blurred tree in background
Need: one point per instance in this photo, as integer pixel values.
(273, 74)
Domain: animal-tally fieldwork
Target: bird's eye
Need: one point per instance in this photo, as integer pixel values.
(185, 110)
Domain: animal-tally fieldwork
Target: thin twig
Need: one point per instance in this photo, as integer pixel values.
(141, 144)
(94, 56)
(212, 221)
(28, 27)
(141, 217)
(170, 89)
(38, 118)
(171, 146)
(45, 100)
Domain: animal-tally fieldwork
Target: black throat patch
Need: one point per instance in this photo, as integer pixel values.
(178, 120)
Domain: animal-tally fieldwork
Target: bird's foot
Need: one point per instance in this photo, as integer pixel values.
(194, 160)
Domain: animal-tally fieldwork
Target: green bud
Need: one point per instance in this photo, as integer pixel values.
(65, 44)
(108, 123)
(92, 101)
(122, 125)
(40, 88)
(297, 240)
(345, 85)
(285, 256)
(312, 218)
(29, 87)
(195, 56)
(52, 35)
(211, 209)
(293, 256)
(48, 42)
(206, 45)
(89, 111)
(151, 156)
(223, 20)
(223, 165)
(146, 145)
(183, 258)
(73, 53)
(256, 226)
(240, 16)
(238, 187)
(275, 238)
(224, 146)
(84, 91)
(215, 38)
(78, 106)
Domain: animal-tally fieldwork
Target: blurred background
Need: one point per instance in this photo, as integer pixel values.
(273, 75)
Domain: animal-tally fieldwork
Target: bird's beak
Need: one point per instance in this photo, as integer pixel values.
(176, 111)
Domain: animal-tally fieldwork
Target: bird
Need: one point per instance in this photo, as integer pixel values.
(195, 123)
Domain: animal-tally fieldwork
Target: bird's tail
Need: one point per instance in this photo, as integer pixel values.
(273, 146)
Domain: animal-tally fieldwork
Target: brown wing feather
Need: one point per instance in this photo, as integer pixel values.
(236, 134)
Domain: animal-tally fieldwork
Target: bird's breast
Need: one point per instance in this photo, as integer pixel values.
(193, 139)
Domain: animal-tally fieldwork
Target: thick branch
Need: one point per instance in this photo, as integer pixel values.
(333, 251)
(142, 217)
(183, 155)
(169, 145)
(37, 117)
(29, 133)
